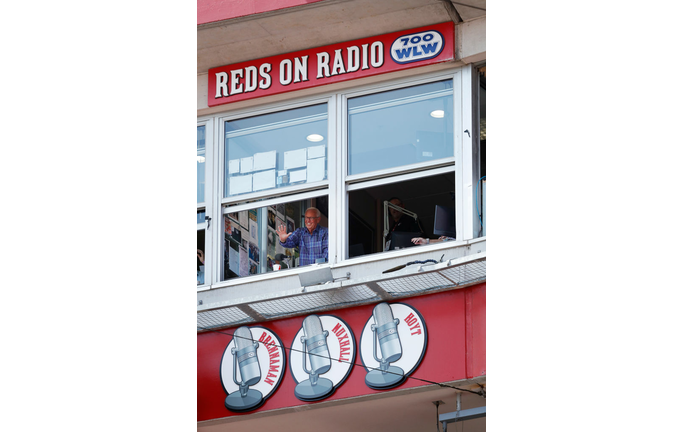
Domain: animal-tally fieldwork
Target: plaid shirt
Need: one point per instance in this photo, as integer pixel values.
(311, 246)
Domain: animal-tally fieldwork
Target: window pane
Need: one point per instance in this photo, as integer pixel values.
(251, 244)
(401, 127)
(420, 196)
(276, 150)
(201, 258)
(201, 162)
(482, 121)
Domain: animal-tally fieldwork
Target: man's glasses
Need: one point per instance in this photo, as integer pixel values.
(311, 218)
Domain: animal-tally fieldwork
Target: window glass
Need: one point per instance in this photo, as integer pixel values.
(400, 127)
(482, 120)
(367, 224)
(481, 187)
(251, 242)
(201, 162)
(201, 258)
(276, 150)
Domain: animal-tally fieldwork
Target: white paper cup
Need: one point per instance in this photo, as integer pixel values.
(276, 267)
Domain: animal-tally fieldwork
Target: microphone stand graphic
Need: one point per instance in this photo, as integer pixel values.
(315, 344)
(250, 372)
(384, 331)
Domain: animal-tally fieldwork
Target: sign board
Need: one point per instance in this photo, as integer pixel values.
(439, 337)
(251, 368)
(333, 63)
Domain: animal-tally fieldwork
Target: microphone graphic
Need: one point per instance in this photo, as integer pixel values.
(384, 331)
(250, 372)
(315, 344)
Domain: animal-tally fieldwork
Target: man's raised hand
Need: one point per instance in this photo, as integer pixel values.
(282, 233)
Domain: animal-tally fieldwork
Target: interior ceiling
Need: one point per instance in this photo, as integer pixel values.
(395, 412)
(318, 24)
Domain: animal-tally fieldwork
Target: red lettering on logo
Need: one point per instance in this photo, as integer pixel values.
(343, 352)
(269, 381)
(266, 340)
(413, 323)
(338, 329)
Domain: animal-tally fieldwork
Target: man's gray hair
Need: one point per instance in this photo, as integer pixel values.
(317, 212)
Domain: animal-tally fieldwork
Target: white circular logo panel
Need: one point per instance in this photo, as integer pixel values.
(341, 345)
(271, 359)
(412, 333)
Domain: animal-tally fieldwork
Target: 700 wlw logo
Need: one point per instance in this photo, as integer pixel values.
(417, 46)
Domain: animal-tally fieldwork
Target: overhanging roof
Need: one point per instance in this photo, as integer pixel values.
(320, 23)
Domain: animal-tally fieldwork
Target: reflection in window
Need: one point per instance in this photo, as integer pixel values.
(251, 244)
(401, 127)
(276, 150)
(482, 120)
(201, 258)
(420, 196)
(201, 248)
(201, 162)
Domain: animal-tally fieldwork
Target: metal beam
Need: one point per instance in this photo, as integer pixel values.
(251, 312)
(452, 12)
(468, 414)
(379, 291)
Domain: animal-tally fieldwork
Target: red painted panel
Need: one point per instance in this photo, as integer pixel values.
(218, 10)
(267, 71)
(475, 303)
(445, 358)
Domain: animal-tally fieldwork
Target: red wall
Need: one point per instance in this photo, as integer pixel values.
(218, 10)
(456, 349)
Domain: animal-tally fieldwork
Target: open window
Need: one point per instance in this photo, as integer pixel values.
(201, 248)
(251, 244)
(419, 196)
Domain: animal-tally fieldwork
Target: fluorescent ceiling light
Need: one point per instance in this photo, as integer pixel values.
(200, 159)
(436, 113)
(315, 137)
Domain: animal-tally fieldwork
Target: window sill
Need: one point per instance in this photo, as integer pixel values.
(267, 276)
(373, 258)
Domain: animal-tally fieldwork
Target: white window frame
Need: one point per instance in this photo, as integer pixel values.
(453, 164)
(236, 115)
(278, 195)
(338, 184)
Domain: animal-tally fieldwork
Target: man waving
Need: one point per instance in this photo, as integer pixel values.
(311, 240)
